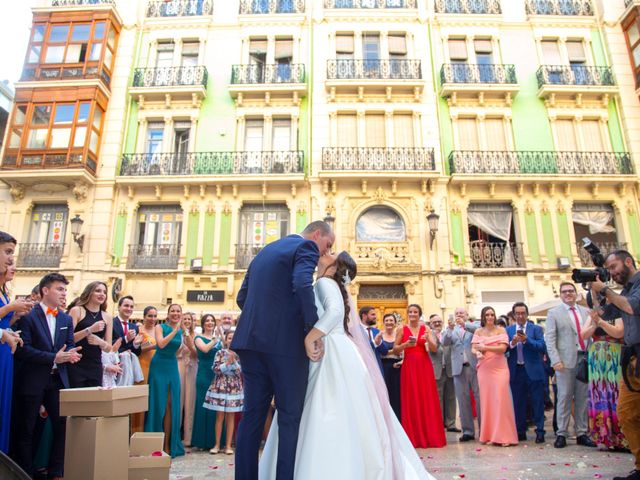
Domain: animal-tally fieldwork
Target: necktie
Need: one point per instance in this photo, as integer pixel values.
(52, 311)
(125, 327)
(575, 317)
(370, 334)
(520, 353)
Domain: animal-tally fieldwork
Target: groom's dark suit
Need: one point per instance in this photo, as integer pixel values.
(278, 308)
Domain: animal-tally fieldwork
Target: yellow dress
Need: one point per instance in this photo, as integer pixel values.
(137, 419)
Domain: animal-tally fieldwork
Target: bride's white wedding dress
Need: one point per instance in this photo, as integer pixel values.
(346, 431)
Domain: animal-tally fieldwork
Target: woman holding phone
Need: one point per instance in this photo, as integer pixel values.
(421, 415)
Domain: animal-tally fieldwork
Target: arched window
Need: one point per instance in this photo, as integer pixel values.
(380, 224)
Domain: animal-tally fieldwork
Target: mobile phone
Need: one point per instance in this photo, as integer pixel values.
(413, 339)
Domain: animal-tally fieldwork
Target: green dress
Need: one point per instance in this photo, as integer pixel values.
(164, 378)
(204, 420)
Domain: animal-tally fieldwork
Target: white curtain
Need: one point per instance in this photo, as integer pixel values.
(403, 130)
(496, 223)
(598, 222)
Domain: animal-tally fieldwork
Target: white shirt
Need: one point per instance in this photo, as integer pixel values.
(51, 322)
(573, 319)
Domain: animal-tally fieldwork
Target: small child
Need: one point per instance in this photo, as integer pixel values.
(225, 394)
(111, 365)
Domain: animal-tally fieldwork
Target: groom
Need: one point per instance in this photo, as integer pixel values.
(278, 309)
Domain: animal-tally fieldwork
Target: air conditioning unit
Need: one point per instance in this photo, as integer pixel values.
(196, 264)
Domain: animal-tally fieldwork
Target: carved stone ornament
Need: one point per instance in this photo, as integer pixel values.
(379, 195)
(80, 191)
(17, 191)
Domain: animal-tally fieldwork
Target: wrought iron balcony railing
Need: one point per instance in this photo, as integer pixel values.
(271, 73)
(540, 162)
(605, 247)
(212, 163)
(468, 73)
(378, 158)
(559, 7)
(248, 7)
(496, 254)
(170, 76)
(40, 255)
(80, 3)
(65, 73)
(469, 6)
(370, 4)
(154, 256)
(394, 69)
(245, 253)
(574, 75)
(179, 8)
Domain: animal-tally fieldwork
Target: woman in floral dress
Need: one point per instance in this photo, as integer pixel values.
(225, 394)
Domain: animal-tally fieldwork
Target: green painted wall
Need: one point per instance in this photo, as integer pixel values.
(118, 238)
(532, 237)
(225, 239)
(547, 232)
(192, 237)
(208, 238)
(446, 132)
(597, 49)
(563, 234)
(615, 130)
(634, 229)
(301, 221)
(457, 237)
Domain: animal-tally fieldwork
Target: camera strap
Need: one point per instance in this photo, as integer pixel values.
(628, 353)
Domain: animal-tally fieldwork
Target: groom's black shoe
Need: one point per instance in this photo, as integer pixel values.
(466, 438)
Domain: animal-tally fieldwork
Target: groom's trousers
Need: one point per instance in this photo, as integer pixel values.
(266, 375)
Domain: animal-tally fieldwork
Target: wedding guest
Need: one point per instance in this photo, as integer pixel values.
(45, 355)
(391, 362)
(124, 328)
(226, 323)
(35, 294)
(164, 383)
(420, 407)
(225, 394)
(111, 365)
(93, 332)
(368, 320)
(204, 419)
(147, 351)
(187, 369)
(605, 375)
(441, 360)
(489, 344)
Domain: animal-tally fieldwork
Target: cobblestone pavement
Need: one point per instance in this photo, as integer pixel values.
(468, 461)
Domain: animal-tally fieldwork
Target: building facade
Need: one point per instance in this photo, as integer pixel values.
(461, 148)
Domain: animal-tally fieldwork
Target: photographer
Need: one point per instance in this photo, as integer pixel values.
(622, 268)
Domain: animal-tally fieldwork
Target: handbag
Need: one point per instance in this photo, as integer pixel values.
(582, 369)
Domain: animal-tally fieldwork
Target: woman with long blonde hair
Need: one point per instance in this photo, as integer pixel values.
(187, 368)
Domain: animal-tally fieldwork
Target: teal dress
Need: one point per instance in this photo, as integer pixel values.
(164, 379)
(204, 420)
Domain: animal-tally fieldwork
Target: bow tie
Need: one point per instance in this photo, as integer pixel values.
(53, 312)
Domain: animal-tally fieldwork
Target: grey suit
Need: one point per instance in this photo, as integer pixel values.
(463, 367)
(561, 337)
(441, 360)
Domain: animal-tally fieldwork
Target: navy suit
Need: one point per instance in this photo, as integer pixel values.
(40, 384)
(380, 350)
(528, 380)
(278, 308)
(118, 332)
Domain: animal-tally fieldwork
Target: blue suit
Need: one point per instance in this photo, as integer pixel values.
(528, 380)
(40, 384)
(378, 351)
(118, 332)
(278, 309)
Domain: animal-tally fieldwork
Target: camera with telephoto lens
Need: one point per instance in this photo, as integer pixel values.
(587, 275)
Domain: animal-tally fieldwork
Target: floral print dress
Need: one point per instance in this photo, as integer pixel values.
(225, 393)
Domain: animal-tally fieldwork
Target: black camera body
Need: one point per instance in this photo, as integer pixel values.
(586, 275)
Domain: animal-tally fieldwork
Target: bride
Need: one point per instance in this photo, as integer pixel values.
(348, 429)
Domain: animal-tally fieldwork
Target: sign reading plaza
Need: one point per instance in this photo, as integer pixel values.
(205, 296)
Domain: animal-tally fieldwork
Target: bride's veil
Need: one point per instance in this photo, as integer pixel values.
(364, 348)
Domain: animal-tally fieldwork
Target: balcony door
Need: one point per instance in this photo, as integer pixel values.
(259, 226)
(182, 132)
(398, 56)
(371, 54)
(553, 60)
(284, 59)
(484, 59)
(458, 57)
(48, 225)
(189, 62)
(153, 147)
(597, 222)
(253, 145)
(492, 240)
(164, 61)
(257, 59)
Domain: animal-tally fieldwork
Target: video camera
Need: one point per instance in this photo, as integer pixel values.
(586, 275)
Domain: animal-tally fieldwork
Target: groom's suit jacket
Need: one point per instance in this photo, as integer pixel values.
(277, 299)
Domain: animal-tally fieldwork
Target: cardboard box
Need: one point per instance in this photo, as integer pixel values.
(99, 402)
(96, 448)
(143, 466)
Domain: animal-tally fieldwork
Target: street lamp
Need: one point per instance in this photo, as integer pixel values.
(330, 219)
(76, 225)
(433, 219)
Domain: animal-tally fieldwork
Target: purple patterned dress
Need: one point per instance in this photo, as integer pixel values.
(225, 393)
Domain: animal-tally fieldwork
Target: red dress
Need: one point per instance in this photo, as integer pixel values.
(419, 403)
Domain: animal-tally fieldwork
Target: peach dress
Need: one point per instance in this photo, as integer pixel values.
(137, 419)
(498, 421)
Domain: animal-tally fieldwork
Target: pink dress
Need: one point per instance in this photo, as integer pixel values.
(498, 422)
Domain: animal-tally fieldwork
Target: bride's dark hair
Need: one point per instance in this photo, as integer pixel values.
(345, 265)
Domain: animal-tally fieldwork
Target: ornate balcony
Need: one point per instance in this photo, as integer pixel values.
(57, 163)
(605, 247)
(575, 81)
(40, 255)
(268, 81)
(81, 3)
(245, 253)
(496, 254)
(462, 79)
(157, 257)
(387, 77)
(180, 83)
(212, 163)
(377, 159)
(251, 7)
(179, 8)
(474, 7)
(559, 7)
(370, 4)
(468, 162)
